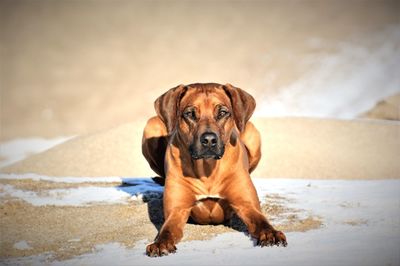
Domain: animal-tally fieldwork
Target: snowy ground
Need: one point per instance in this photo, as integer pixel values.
(361, 225)
(18, 149)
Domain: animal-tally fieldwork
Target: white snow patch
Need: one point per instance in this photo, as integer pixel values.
(36, 177)
(74, 240)
(18, 149)
(132, 188)
(22, 245)
(68, 197)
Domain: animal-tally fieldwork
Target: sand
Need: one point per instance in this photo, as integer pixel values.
(292, 148)
(76, 67)
(318, 148)
(388, 108)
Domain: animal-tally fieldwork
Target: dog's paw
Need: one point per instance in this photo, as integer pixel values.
(158, 249)
(271, 237)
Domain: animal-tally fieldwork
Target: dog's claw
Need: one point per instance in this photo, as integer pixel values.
(270, 238)
(160, 249)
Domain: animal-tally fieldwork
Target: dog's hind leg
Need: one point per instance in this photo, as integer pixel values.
(252, 140)
(154, 144)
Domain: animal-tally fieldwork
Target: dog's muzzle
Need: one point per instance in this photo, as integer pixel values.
(208, 146)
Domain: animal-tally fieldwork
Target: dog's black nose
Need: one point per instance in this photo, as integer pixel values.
(208, 139)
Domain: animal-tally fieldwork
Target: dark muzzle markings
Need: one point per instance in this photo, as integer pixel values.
(207, 145)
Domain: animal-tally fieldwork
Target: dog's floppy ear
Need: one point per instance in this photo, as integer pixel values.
(243, 105)
(167, 106)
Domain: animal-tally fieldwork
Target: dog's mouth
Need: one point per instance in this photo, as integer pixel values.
(215, 154)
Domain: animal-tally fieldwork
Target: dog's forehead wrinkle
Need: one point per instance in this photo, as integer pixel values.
(204, 100)
(204, 86)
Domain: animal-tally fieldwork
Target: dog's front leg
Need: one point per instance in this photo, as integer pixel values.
(170, 234)
(177, 208)
(246, 205)
(258, 226)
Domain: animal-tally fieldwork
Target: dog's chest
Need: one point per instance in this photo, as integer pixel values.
(204, 188)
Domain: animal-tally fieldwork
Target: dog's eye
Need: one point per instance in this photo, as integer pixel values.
(222, 113)
(190, 115)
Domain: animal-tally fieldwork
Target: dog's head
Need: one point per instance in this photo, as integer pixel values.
(204, 116)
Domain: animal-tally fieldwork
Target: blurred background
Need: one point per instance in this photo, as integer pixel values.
(73, 67)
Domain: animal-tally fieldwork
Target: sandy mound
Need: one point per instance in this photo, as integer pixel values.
(388, 108)
(104, 63)
(116, 152)
(292, 148)
(318, 148)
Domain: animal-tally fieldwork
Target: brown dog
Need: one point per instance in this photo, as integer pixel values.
(202, 143)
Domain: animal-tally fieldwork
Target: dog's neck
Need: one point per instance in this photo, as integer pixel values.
(204, 167)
